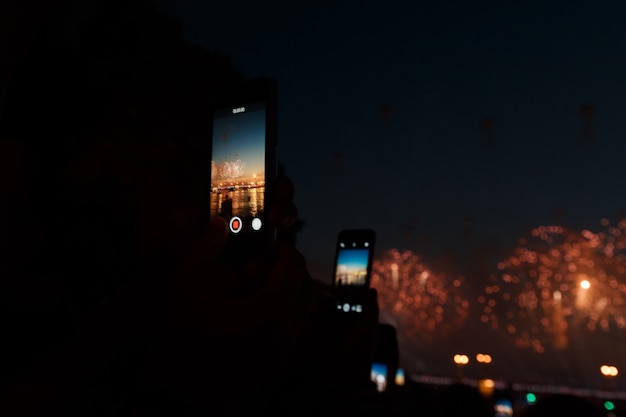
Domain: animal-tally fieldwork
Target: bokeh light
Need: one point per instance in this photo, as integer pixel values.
(483, 358)
(461, 359)
(425, 304)
(609, 370)
(556, 283)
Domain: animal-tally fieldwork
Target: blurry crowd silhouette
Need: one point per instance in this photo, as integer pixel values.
(114, 301)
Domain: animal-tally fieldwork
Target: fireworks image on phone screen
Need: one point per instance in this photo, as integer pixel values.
(351, 267)
(238, 166)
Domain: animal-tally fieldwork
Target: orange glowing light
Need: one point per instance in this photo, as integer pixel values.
(608, 370)
(461, 359)
(483, 358)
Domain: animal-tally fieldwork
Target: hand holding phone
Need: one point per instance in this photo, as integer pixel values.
(353, 267)
(244, 167)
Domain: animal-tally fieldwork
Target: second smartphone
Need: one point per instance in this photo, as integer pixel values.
(353, 268)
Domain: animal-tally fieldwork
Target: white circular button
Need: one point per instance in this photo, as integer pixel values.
(235, 224)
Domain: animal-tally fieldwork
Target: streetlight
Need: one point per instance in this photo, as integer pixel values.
(483, 358)
(461, 360)
(608, 370)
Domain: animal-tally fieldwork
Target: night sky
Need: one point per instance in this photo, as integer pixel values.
(445, 126)
(448, 127)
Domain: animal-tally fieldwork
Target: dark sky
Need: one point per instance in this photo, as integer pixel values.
(444, 126)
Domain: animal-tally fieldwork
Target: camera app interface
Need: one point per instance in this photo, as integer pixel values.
(351, 274)
(238, 167)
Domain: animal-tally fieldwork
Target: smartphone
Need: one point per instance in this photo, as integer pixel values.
(379, 376)
(502, 407)
(353, 267)
(400, 377)
(244, 166)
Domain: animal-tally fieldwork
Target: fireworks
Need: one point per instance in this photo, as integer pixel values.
(228, 170)
(426, 304)
(559, 282)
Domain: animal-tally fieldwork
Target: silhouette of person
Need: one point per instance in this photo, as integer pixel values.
(226, 210)
(461, 400)
(140, 316)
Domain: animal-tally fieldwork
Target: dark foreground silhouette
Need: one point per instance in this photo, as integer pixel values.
(115, 301)
(564, 405)
(115, 298)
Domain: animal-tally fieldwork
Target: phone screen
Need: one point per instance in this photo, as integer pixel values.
(378, 375)
(400, 377)
(503, 407)
(353, 268)
(238, 166)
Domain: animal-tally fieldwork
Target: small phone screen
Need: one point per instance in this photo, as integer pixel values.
(351, 266)
(238, 167)
(503, 407)
(352, 269)
(379, 376)
(400, 378)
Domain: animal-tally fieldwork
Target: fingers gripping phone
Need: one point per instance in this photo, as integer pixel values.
(244, 165)
(353, 267)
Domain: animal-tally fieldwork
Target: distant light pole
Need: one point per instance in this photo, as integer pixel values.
(461, 360)
(609, 372)
(484, 360)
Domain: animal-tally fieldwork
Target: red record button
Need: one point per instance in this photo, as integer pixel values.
(235, 224)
